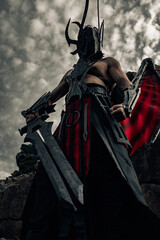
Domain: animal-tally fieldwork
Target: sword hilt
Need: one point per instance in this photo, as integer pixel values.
(25, 128)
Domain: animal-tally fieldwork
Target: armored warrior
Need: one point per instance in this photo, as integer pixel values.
(93, 141)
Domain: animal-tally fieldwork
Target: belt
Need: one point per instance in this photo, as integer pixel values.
(96, 88)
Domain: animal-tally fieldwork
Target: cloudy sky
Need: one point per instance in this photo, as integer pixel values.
(34, 54)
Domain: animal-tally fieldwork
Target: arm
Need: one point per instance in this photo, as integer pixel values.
(60, 91)
(118, 77)
(116, 73)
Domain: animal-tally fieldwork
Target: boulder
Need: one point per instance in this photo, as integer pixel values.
(147, 166)
(14, 191)
(13, 194)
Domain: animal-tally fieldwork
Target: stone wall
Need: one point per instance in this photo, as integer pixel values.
(13, 194)
(14, 191)
(147, 165)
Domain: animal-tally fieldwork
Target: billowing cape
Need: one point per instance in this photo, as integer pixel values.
(143, 127)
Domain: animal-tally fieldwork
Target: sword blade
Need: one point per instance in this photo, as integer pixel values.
(64, 166)
(50, 168)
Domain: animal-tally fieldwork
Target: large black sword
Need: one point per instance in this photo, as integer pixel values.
(59, 170)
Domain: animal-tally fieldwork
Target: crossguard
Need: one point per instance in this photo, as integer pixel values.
(24, 129)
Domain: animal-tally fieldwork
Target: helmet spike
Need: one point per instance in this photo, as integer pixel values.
(85, 13)
(69, 40)
(75, 52)
(78, 24)
(101, 33)
(98, 15)
(100, 26)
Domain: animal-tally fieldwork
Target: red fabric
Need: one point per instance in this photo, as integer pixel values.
(72, 142)
(67, 134)
(146, 114)
(76, 143)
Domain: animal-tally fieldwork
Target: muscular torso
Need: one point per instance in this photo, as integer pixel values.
(108, 68)
(100, 68)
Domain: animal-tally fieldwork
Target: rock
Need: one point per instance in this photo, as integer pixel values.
(13, 194)
(147, 163)
(27, 159)
(147, 166)
(152, 196)
(14, 191)
(4, 175)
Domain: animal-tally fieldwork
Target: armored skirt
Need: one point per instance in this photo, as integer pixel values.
(96, 147)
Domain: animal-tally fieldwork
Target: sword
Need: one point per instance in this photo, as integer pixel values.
(59, 170)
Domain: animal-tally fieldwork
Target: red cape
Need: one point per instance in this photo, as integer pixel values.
(144, 125)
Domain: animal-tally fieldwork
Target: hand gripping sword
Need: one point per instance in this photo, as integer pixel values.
(61, 174)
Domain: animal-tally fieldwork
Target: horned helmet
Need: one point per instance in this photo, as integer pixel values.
(90, 39)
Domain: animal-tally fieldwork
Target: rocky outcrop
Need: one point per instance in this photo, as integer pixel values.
(14, 191)
(147, 165)
(27, 159)
(13, 194)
